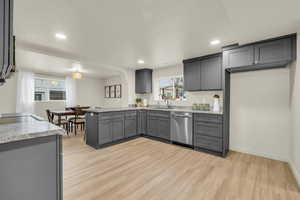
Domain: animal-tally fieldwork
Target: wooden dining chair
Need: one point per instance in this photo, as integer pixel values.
(76, 121)
(63, 122)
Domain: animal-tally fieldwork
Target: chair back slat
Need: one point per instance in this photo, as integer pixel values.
(49, 115)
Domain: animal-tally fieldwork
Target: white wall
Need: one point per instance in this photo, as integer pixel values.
(90, 92)
(295, 115)
(260, 115)
(8, 93)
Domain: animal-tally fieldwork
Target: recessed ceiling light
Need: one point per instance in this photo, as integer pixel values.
(141, 62)
(215, 42)
(60, 36)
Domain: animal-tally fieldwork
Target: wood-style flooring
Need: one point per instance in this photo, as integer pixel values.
(145, 169)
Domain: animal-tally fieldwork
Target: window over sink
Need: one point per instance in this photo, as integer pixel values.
(49, 89)
(171, 88)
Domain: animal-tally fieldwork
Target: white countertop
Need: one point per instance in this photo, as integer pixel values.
(177, 109)
(16, 127)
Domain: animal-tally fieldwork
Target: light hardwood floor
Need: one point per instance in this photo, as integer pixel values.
(146, 169)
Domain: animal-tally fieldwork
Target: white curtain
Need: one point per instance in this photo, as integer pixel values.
(70, 92)
(25, 92)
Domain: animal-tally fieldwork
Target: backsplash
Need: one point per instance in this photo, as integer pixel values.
(202, 97)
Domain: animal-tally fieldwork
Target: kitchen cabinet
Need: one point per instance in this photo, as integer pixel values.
(208, 132)
(130, 123)
(203, 73)
(105, 132)
(143, 81)
(32, 169)
(239, 57)
(192, 76)
(159, 124)
(6, 39)
(117, 129)
(211, 73)
(142, 121)
(267, 54)
(273, 51)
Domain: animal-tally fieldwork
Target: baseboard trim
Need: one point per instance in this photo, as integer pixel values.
(273, 157)
(295, 172)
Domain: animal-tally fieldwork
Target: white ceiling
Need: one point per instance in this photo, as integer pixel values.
(114, 34)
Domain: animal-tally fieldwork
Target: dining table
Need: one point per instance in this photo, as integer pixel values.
(62, 113)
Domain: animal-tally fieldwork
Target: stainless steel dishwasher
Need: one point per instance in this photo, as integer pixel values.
(182, 127)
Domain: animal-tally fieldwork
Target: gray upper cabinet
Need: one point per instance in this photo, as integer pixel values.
(273, 51)
(203, 73)
(239, 57)
(211, 73)
(143, 81)
(192, 76)
(6, 38)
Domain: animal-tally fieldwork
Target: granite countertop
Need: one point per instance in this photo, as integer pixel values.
(175, 109)
(16, 127)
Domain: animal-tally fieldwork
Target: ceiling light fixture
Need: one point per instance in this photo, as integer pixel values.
(60, 36)
(215, 42)
(141, 62)
(77, 75)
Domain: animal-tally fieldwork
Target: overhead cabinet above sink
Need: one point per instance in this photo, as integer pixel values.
(203, 73)
(261, 55)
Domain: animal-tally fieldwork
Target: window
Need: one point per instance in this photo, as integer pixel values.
(171, 88)
(49, 89)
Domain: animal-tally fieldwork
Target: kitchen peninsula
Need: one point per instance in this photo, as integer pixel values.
(30, 157)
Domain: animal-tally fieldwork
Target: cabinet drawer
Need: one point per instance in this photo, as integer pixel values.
(208, 118)
(130, 114)
(209, 143)
(208, 129)
(111, 115)
(164, 114)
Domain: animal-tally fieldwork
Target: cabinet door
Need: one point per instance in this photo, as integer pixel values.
(130, 127)
(117, 129)
(211, 73)
(30, 170)
(143, 122)
(1, 36)
(164, 128)
(152, 126)
(273, 51)
(238, 57)
(105, 132)
(143, 81)
(192, 76)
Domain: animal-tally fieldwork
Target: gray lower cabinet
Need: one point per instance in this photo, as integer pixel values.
(158, 124)
(208, 132)
(130, 123)
(105, 132)
(31, 169)
(142, 122)
(117, 129)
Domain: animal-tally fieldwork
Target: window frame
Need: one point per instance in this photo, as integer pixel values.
(170, 77)
(49, 79)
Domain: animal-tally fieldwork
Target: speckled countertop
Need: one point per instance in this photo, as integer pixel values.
(175, 109)
(16, 127)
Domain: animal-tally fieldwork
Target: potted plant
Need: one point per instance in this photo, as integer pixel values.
(138, 101)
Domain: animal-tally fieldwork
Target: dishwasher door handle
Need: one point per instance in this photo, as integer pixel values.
(184, 116)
